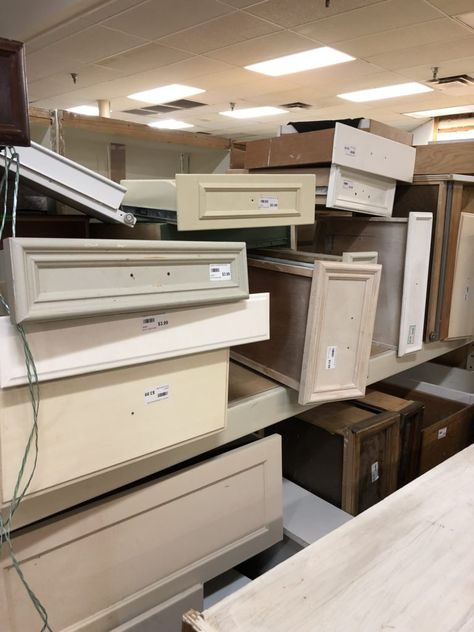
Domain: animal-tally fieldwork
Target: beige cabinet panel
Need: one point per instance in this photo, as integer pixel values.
(91, 422)
(47, 279)
(89, 566)
(461, 317)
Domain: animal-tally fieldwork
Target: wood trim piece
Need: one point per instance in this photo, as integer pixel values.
(212, 201)
(341, 320)
(47, 279)
(432, 329)
(126, 544)
(75, 347)
(415, 282)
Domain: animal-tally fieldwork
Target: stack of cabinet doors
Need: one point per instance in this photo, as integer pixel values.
(346, 455)
(131, 344)
(450, 306)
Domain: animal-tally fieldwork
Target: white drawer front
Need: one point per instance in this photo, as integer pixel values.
(92, 422)
(171, 534)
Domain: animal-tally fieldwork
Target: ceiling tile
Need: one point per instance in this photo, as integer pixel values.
(223, 31)
(240, 4)
(462, 66)
(62, 83)
(439, 30)
(143, 58)
(156, 18)
(288, 14)
(262, 48)
(453, 7)
(367, 20)
(432, 54)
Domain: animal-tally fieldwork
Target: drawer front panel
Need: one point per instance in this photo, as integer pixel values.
(127, 542)
(92, 422)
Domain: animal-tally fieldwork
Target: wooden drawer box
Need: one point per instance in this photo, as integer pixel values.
(96, 421)
(345, 455)
(99, 566)
(403, 249)
(411, 423)
(448, 426)
(321, 324)
(48, 279)
(450, 305)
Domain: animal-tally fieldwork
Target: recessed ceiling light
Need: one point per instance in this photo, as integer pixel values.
(298, 62)
(170, 124)
(459, 109)
(89, 110)
(386, 92)
(165, 94)
(254, 112)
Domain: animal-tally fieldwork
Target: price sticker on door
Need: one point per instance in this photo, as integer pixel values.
(220, 272)
(156, 394)
(159, 321)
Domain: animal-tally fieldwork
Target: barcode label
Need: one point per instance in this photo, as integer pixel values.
(411, 334)
(220, 272)
(331, 357)
(349, 150)
(442, 432)
(268, 202)
(374, 471)
(150, 323)
(156, 393)
(347, 184)
(466, 293)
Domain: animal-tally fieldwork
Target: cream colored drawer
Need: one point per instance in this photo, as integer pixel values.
(91, 422)
(146, 544)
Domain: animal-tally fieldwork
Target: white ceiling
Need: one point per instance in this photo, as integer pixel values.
(118, 47)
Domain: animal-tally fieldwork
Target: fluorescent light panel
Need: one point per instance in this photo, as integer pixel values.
(170, 124)
(245, 113)
(89, 110)
(459, 109)
(165, 94)
(386, 92)
(298, 62)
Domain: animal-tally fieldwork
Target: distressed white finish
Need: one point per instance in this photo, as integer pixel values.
(353, 190)
(369, 153)
(360, 257)
(70, 182)
(133, 550)
(461, 317)
(91, 422)
(74, 347)
(47, 279)
(415, 282)
(340, 324)
(156, 194)
(405, 564)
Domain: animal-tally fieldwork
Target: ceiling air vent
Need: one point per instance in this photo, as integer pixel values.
(297, 105)
(457, 85)
(163, 108)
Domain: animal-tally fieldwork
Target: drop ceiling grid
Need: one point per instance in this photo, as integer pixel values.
(200, 43)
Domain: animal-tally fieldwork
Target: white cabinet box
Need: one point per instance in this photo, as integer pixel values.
(91, 422)
(47, 279)
(213, 201)
(86, 345)
(72, 183)
(97, 567)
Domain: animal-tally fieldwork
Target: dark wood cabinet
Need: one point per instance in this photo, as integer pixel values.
(344, 454)
(14, 123)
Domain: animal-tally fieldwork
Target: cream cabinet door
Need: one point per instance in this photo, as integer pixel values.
(117, 558)
(461, 317)
(95, 421)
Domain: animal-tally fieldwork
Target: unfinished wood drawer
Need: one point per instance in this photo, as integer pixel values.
(91, 422)
(321, 325)
(49, 279)
(345, 455)
(140, 545)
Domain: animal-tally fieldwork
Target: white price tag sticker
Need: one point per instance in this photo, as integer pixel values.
(150, 323)
(156, 394)
(411, 334)
(350, 150)
(442, 432)
(374, 471)
(347, 184)
(220, 272)
(331, 357)
(268, 202)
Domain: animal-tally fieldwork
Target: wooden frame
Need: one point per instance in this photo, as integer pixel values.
(321, 325)
(49, 279)
(14, 123)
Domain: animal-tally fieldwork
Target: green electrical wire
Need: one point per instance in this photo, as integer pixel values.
(21, 486)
